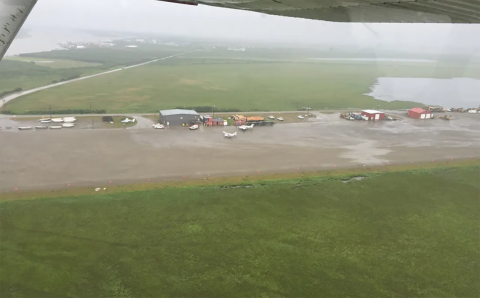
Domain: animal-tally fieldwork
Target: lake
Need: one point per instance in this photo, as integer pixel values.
(41, 39)
(452, 92)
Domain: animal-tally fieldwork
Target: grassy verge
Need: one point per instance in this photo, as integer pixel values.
(340, 173)
(397, 234)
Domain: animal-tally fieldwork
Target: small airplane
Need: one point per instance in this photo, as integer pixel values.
(280, 118)
(300, 117)
(126, 120)
(245, 127)
(193, 127)
(158, 126)
(229, 135)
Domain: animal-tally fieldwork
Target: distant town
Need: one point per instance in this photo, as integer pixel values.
(134, 43)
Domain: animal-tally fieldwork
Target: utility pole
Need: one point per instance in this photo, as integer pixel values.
(213, 116)
(90, 106)
(50, 108)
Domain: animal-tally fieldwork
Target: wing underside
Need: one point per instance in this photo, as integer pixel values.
(12, 15)
(368, 11)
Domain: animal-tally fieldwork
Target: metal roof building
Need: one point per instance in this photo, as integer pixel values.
(373, 114)
(179, 117)
(419, 113)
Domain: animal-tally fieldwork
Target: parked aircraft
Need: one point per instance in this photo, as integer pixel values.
(245, 127)
(229, 135)
(126, 120)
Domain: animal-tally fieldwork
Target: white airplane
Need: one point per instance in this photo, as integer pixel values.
(271, 117)
(229, 135)
(193, 127)
(69, 119)
(126, 120)
(245, 127)
(158, 126)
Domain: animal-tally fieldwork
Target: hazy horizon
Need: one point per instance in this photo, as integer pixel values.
(153, 17)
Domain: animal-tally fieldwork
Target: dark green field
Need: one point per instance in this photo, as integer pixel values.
(258, 79)
(404, 234)
(244, 86)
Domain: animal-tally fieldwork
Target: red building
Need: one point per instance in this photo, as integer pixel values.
(373, 115)
(210, 121)
(419, 113)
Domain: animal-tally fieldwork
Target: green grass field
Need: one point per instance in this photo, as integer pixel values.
(27, 75)
(255, 80)
(232, 83)
(244, 86)
(399, 234)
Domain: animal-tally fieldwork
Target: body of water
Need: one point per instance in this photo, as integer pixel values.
(452, 92)
(44, 39)
(376, 60)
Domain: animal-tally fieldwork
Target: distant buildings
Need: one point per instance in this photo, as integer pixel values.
(236, 49)
(131, 46)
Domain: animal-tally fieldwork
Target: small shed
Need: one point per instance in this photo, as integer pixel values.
(210, 121)
(419, 113)
(373, 114)
(217, 121)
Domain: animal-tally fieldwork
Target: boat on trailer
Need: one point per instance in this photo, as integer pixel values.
(25, 127)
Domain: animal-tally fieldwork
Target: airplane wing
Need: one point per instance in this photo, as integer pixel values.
(12, 15)
(362, 11)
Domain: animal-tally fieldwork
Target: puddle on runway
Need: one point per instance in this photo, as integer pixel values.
(359, 178)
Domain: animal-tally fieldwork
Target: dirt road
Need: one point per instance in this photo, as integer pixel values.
(10, 97)
(51, 159)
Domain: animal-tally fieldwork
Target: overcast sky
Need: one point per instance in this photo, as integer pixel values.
(205, 21)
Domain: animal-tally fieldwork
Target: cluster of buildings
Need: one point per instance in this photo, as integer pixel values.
(181, 117)
(416, 113)
(83, 45)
